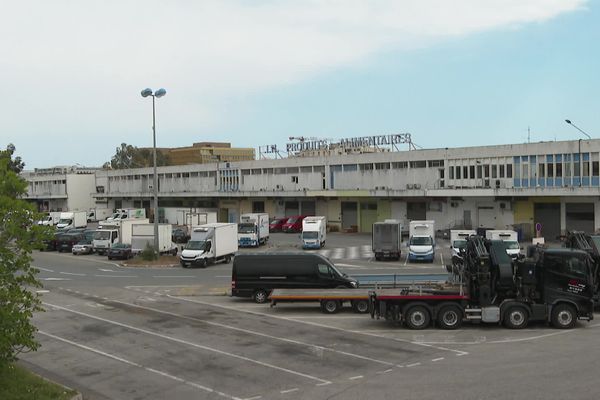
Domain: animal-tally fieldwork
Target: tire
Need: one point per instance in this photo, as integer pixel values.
(417, 317)
(564, 316)
(110, 258)
(227, 259)
(203, 263)
(260, 296)
(183, 265)
(360, 306)
(516, 317)
(330, 306)
(449, 317)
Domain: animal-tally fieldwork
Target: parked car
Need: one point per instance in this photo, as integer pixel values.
(276, 224)
(66, 241)
(84, 246)
(121, 251)
(293, 224)
(50, 244)
(179, 235)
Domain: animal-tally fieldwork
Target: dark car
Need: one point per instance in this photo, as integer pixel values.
(276, 224)
(66, 241)
(179, 235)
(121, 251)
(50, 244)
(294, 224)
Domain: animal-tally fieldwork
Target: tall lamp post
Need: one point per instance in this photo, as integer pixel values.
(568, 121)
(159, 93)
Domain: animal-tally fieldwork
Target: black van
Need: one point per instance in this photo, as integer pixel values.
(256, 274)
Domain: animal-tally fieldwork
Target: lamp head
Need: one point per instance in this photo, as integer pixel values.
(160, 92)
(146, 92)
(568, 121)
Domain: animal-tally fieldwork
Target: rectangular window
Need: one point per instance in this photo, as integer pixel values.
(457, 172)
(319, 168)
(350, 167)
(435, 163)
(306, 169)
(418, 164)
(472, 171)
(542, 171)
(479, 171)
(294, 179)
(525, 171)
(451, 170)
(366, 167)
(400, 164)
(502, 171)
(486, 171)
(292, 170)
(595, 168)
(382, 165)
(465, 172)
(550, 168)
(509, 171)
(586, 169)
(494, 171)
(576, 168)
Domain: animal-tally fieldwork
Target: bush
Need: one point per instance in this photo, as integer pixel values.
(148, 254)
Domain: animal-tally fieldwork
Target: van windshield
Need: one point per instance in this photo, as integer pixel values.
(246, 228)
(512, 244)
(196, 245)
(65, 221)
(420, 241)
(102, 235)
(459, 244)
(310, 235)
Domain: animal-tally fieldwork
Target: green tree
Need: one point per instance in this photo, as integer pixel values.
(19, 235)
(128, 156)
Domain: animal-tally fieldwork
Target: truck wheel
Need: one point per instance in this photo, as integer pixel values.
(516, 317)
(563, 316)
(360, 306)
(417, 317)
(227, 259)
(449, 317)
(330, 306)
(203, 263)
(260, 296)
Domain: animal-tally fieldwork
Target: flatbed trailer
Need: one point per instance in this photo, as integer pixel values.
(330, 300)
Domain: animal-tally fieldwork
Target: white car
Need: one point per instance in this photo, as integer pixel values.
(83, 247)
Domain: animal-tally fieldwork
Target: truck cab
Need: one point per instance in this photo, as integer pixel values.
(314, 230)
(253, 229)
(104, 239)
(510, 239)
(421, 244)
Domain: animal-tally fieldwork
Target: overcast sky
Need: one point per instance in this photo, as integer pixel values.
(254, 72)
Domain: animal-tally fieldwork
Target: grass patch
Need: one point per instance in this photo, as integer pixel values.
(17, 383)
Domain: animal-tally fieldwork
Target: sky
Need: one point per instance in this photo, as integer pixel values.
(255, 72)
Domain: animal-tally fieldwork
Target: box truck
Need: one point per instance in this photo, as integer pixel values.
(253, 229)
(458, 240)
(209, 244)
(98, 214)
(51, 219)
(509, 238)
(142, 235)
(72, 219)
(314, 232)
(386, 239)
(127, 214)
(110, 233)
(421, 242)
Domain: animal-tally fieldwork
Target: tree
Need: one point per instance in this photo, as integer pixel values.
(128, 156)
(19, 235)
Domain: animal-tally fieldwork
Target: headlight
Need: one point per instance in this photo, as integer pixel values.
(354, 284)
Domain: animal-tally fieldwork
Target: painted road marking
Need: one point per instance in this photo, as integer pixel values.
(457, 352)
(102, 353)
(196, 345)
(289, 391)
(356, 377)
(106, 270)
(42, 291)
(116, 276)
(44, 269)
(413, 365)
(173, 276)
(437, 359)
(72, 273)
(55, 279)
(256, 333)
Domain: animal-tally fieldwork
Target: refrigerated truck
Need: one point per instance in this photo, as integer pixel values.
(142, 235)
(72, 219)
(509, 237)
(314, 232)
(458, 240)
(210, 244)
(110, 233)
(421, 242)
(98, 214)
(253, 229)
(386, 240)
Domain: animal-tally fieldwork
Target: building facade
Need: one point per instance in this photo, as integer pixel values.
(553, 184)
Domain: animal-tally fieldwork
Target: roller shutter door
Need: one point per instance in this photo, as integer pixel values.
(580, 217)
(548, 214)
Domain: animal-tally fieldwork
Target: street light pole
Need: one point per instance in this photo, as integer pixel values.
(159, 93)
(568, 121)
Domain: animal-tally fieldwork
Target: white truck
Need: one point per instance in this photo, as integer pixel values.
(386, 239)
(98, 214)
(127, 214)
(72, 219)
(209, 244)
(421, 242)
(458, 240)
(51, 219)
(314, 232)
(510, 238)
(142, 235)
(108, 234)
(253, 229)
(188, 216)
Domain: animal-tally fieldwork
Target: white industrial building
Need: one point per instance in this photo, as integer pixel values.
(555, 184)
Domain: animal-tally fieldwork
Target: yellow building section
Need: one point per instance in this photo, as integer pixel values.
(524, 209)
(208, 152)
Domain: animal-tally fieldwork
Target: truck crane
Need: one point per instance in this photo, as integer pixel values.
(553, 285)
(591, 245)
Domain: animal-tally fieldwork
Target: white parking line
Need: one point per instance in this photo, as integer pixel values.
(437, 359)
(55, 279)
(102, 353)
(173, 276)
(185, 342)
(72, 273)
(413, 365)
(289, 391)
(247, 331)
(116, 276)
(356, 377)
(44, 269)
(457, 352)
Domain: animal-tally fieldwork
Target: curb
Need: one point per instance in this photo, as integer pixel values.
(149, 265)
